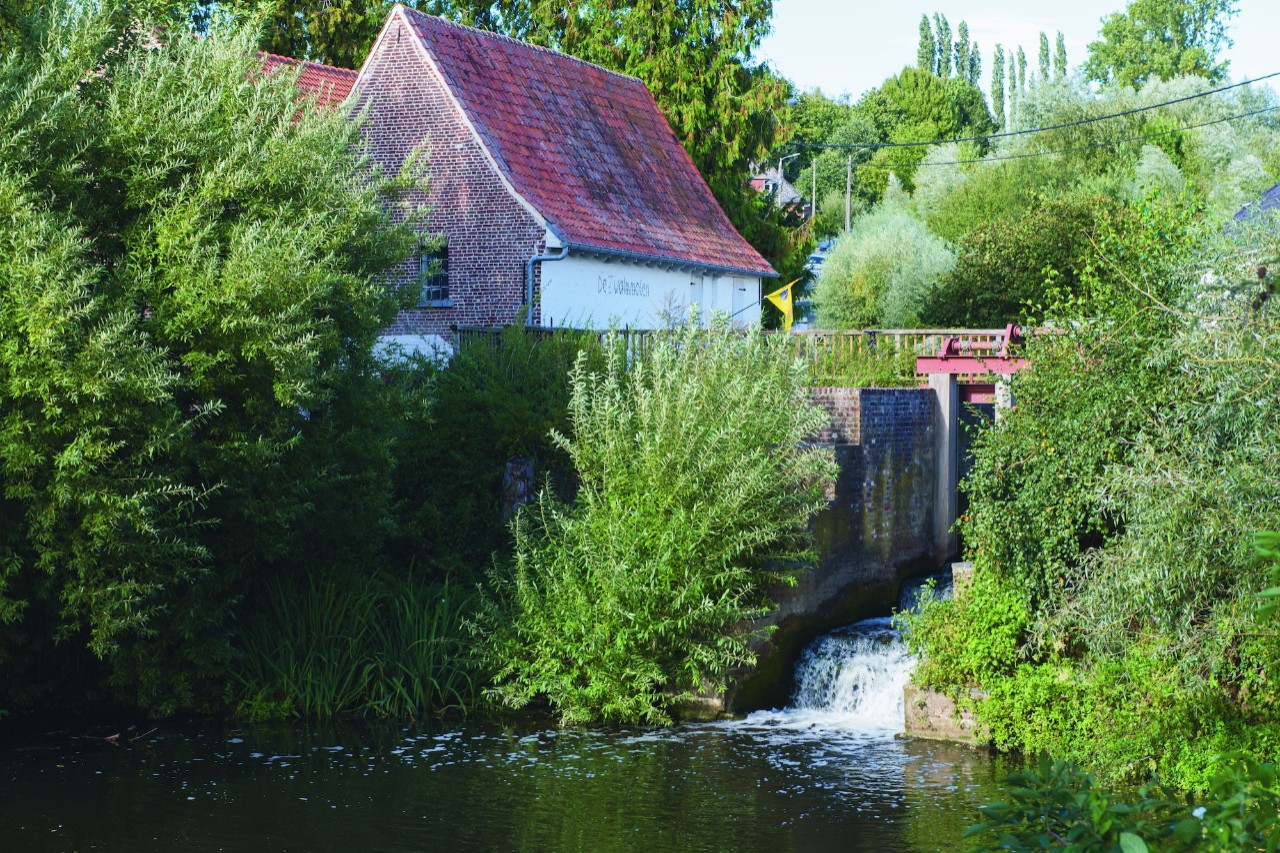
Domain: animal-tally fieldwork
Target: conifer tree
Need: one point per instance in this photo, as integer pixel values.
(926, 53)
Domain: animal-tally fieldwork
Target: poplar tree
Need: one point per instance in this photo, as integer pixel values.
(944, 44)
(1060, 59)
(926, 53)
(962, 50)
(997, 86)
(1044, 57)
(1022, 72)
(1011, 86)
(975, 65)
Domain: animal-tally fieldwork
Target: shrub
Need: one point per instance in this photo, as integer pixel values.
(881, 271)
(499, 398)
(190, 282)
(695, 495)
(1004, 269)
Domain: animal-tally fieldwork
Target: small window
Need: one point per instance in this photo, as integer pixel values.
(433, 276)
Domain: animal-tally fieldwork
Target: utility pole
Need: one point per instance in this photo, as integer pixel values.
(848, 194)
(813, 194)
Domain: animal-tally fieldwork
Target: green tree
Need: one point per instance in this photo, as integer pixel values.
(1044, 57)
(927, 51)
(189, 397)
(340, 32)
(974, 71)
(997, 87)
(1163, 39)
(1005, 267)
(1014, 94)
(962, 50)
(943, 66)
(1060, 58)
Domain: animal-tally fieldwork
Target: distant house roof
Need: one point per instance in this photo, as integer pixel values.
(587, 148)
(1268, 201)
(771, 180)
(330, 84)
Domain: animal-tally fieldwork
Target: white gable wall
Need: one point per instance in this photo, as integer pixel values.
(592, 292)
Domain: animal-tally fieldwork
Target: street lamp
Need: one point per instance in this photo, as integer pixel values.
(781, 161)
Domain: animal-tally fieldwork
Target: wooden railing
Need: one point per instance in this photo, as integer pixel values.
(853, 358)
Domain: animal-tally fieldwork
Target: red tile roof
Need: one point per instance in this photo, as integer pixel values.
(588, 148)
(331, 84)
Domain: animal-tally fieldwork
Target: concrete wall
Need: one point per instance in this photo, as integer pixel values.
(877, 531)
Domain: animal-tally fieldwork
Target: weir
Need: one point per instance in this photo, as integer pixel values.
(902, 453)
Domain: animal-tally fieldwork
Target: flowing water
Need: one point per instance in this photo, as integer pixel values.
(826, 773)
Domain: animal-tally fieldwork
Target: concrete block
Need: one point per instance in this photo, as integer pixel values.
(929, 714)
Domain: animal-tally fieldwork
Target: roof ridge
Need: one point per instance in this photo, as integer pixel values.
(294, 59)
(524, 44)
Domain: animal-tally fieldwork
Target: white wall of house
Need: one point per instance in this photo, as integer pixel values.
(592, 292)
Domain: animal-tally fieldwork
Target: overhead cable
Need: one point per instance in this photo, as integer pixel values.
(875, 146)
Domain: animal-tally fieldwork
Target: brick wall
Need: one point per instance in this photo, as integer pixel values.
(876, 530)
(842, 406)
(490, 234)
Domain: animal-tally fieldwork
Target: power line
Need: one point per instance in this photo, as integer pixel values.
(875, 146)
(1076, 148)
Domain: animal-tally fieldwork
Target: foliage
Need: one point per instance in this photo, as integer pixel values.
(881, 271)
(1003, 269)
(927, 50)
(1055, 805)
(356, 643)
(1113, 625)
(695, 495)
(499, 399)
(955, 107)
(191, 293)
(1164, 39)
(851, 148)
(997, 88)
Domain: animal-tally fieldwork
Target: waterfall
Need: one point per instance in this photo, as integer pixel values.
(851, 679)
(855, 676)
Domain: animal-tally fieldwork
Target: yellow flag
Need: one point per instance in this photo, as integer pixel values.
(782, 298)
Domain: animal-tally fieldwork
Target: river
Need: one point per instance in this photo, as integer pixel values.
(826, 773)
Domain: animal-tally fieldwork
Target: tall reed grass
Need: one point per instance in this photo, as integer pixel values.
(370, 645)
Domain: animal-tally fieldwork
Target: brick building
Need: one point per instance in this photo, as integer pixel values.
(553, 182)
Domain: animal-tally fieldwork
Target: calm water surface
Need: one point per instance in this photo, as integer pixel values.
(825, 774)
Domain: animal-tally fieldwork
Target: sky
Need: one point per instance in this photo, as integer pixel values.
(853, 45)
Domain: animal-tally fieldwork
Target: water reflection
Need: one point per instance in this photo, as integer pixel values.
(827, 774)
